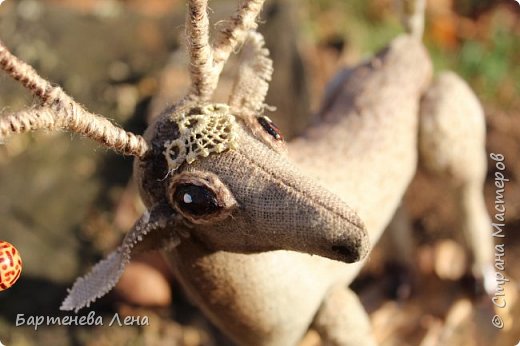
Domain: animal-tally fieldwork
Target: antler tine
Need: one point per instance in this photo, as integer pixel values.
(412, 16)
(236, 31)
(207, 62)
(58, 110)
(27, 120)
(201, 54)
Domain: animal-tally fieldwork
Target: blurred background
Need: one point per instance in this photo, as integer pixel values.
(66, 202)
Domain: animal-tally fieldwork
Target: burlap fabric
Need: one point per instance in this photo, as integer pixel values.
(106, 273)
(279, 207)
(452, 144)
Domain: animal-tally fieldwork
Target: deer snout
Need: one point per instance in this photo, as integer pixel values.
(277, 207)
(293, 213)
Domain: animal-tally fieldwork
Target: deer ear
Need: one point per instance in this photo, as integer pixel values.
(247, 100)
(254, 74)
(106, 273)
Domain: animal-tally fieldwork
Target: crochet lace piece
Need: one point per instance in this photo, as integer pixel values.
(202, 131)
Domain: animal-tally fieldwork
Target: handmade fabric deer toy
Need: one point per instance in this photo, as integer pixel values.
(249, 223)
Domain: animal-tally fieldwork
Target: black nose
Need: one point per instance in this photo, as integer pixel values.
(349, 254)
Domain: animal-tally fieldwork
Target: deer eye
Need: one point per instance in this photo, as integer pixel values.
(270, 127)
(195, 200)
(200, 197)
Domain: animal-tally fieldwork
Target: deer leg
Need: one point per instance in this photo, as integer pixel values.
(475, 224)
(398, 245)
(342, 319)
(452, 145)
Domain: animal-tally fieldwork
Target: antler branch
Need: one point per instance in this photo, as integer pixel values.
(236, 30)
(58, 110)
(207, 62)
(201, 54)
(412, 16)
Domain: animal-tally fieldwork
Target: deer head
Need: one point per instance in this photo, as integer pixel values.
(217, 172)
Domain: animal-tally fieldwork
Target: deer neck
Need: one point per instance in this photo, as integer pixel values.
(364, 146)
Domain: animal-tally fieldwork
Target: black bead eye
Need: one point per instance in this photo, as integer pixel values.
(200, 197)
(270, 127)
(196, 200)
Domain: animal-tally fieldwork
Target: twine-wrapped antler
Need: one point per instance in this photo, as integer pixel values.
(201, 53)
(60, 111)
(412, 16)
(207, 62)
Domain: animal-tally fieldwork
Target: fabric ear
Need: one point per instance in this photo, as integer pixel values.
(106, 273)
(254, 75)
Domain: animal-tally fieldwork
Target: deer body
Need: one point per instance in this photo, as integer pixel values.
(264, 242)
(365, 151)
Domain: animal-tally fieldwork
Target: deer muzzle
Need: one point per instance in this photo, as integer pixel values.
(279, 208)
(294, 213)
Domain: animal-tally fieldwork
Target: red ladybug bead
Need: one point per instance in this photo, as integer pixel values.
(10, 265)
